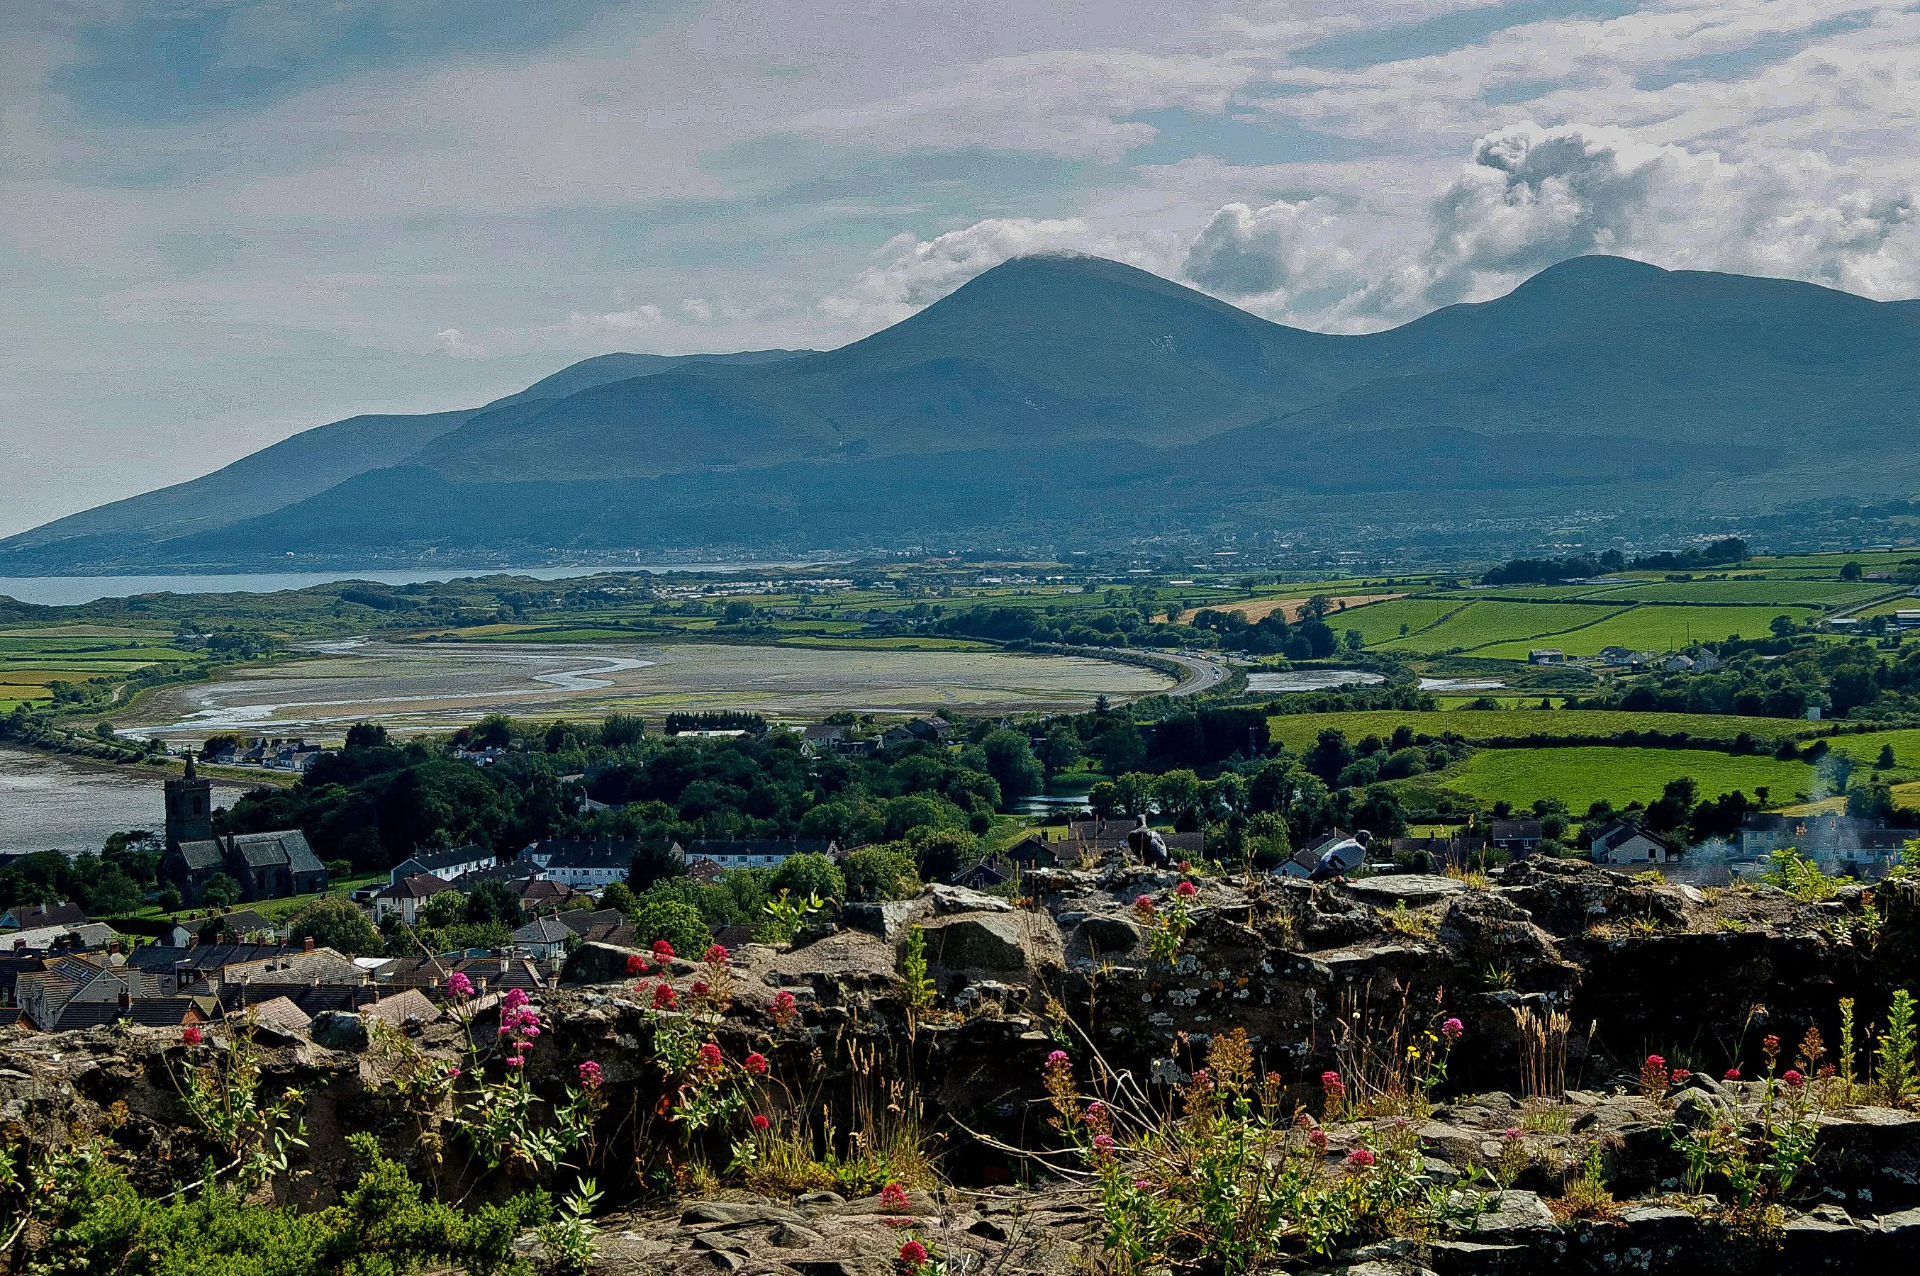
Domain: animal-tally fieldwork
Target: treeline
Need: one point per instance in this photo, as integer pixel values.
(1553, 571)
(1782, 677)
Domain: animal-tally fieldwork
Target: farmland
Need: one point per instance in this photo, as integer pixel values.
(1299, 731)
(1652, 628)
(33, 660)
(1486, 620)
(1581, 776)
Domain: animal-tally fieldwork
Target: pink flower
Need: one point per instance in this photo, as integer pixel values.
(1317, 1140)
(636, 964)
(1186, 890)
(590, 1075)
(1360, 1158)
(1143, 905)
(1453, 1030)
(1793, 1078)
(459, 985)
(1511, 1132)
(759, 1122)
(190, 1035)
(453, 1071)
(1141, 1185)
(710, 1057)
(784, 1009)
(755, 1063)
(1103, 1146)
(717, 954)
(516, 1060)
(700, 988)
(1186, 866)
(1654, 1063)
(914, 1255)
(662, 951)
(1680, 1074)
(664, 998)
(1095, 1111)
(515, 998)
(1058, 1059)
(893, 1197)
(1330, 1082)
(1732, 1074)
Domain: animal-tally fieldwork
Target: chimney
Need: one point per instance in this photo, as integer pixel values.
(308, 947)
(126, 999)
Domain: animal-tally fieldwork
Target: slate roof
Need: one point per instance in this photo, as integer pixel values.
(287, 847)
(36, 916)
(580, 921)
(714, 847)
(449, 857)
(415, 886)
(543, 930)
(155, 957)
(203, 855)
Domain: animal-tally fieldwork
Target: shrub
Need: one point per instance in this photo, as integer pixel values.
(679, 924)
(880, 873)
(810, 874)
(337, 924)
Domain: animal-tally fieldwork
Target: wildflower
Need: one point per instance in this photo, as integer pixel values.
(636, 964)
(1186, 890)
(710, 1057)
(1186, 866)
(1732, 1074)
(662, 951)
(1654, 1062)
(1770, 1046)
(190, 1035)
(1141, 1185)
(1202, 1078)
(893, 1197)
(755, 1063)
(459, 985)
(1453, 1030)
(1360, 1158)
(664, 997)
(1317, 1140)
(515, 998)
(1103, 1146)
(759, 1121)
(1057, 1059)
(1680, 1074)
(1511, 1132)
(1330, 1082)
(1793, 1078)
(590, 1075)
(914, 1255)
(516, 1060)
(700, 988)
(453, 1070)
(783, 1009)
(1143, 905)
(1303, 1119)
(717, 954)
(1095, 1111)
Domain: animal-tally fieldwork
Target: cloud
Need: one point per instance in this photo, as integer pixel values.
(1530, 196)
(634, 320)
(911, 272)
(455, 343)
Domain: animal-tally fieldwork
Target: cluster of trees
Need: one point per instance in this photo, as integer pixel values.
(1771, 678)
(1311, 638)
(1552, 571)
(1720, 553)
(109, 884)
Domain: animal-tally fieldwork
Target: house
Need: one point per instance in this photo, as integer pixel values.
(703, 870)
(1034, 851)
(540, 895)
(446, 864)
(982, 876)
(408, 1006)
(581, 921)
(586, 865)
(62, 938)
(757, 853)
(818, 741)
(45, 995)
(1456, 851)
(237, 926)
(1546, 656)
(733, 936)
(543, 937)
(182, 967)
(1829, 837)
(1624, 842)
(1307, 858)
(39, 916)
(405, 897)
(146, 1012)
(1516, 837)
(270, 865)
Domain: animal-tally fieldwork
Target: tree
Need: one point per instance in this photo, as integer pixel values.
(444, 909)
(941, 853)
(221, 891)
(881, 872)
(1850, 571)
(1177, 794)
(809, 874)
(622, 729)
(1885, 761)
(113, 893)
(1675, 806)
(366, 735)
(1060, 750)
(1104, 798)
(494, 902)
(104, 730)
(679, 924)
(169, 900)
(1011, 763)
(618, 895)
(338, 924)
(1355, 640)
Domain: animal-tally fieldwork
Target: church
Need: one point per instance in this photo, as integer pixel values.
(262, 865)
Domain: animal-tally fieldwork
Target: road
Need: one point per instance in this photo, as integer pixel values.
(1202, 674)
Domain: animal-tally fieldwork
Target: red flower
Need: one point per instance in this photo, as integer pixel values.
(700, 988)
(718, 954)
(1317, 1140)
(1453, 1030)
(756, 1063)
(1186, 866)
(1103, 1146)
(636, 964)
(893, 1197)
(759, 1122)
(914, 1255)
(1793, 1078)
(784, 1009)
(710, 1057)
(1733, 1074)
(1360, 1158)
(590, 1075)
(190, 1035)
(664, 998)
(1330, 1082)
(1186, 890)
(1143, 905)
(1680, 1074)
(662, 950)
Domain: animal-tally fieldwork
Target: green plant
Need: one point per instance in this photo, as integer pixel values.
(916, 988)
(1404, 921)
(784, 915)
(222, 1092)
(569, 1238)
(1895, 1073)
(1390, 1060)
(1167, 924)
(1799, 876)
(1586, 1195)
(504, 1120)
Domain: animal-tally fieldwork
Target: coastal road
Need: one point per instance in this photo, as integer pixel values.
(1202, 674)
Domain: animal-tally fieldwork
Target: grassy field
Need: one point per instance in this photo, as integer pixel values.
(1756, 592)
(1653, 629)
(1490, 621)
(1380, 622)
(1581, 776)
(1299, 731)
(32, 659)
(1865, 749)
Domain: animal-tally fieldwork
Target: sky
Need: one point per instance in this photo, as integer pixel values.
(225, 221)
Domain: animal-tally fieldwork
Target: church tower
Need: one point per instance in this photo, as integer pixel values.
(189, 809)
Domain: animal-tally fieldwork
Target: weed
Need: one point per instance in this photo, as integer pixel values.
(1895, 1073)
(1586, 1195)
(1650, 877)
(1390, 1063)
(1799, 876)
(1543, 1052)
(223, 1095)
(1538, 1116)
(1404, 921)
(915, 986)
(569, 1239)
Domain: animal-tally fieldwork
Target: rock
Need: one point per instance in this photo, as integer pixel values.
(995, 941)
(1413, 889)
(338, 1030)
(725, 1261)
(949, 900)
(1104, 933)
(794, 1236)
(888, 920)
(820, 1198)
(1513, 1212)
(988, 1229)
(1476, 1258)
(1697, 1109)
(596, 963)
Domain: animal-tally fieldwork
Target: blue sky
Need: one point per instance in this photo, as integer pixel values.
(222, 221)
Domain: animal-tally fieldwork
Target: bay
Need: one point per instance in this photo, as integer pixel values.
(49, 802)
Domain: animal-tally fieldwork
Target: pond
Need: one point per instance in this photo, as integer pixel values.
(1311, 680)
(53, 803)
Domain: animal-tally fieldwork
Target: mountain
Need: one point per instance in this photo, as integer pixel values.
(1058, 400)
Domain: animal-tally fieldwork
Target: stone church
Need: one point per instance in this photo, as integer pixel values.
(263, 865)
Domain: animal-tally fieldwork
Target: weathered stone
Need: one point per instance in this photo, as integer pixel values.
(1412, 889)
(597, 964)
(794, 1236)
(1108, 934)
(950, 900)
(888, 919)
(1513, 1212)
(1028, 942)
(338, 1030)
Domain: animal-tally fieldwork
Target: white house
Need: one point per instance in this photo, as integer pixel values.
(404, 898)
(579, 863)
(1621, 842)
(542, 937)
(757, 853)
(444, 864)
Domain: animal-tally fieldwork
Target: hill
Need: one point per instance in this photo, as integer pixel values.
(1070, 400)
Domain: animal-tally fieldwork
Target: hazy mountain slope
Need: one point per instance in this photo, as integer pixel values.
(305, 465)
(1067, 398)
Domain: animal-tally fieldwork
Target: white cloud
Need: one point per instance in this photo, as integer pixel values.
(697, 309)
(637, 319)
(455, 343)
(911, 272)
(1247, 252)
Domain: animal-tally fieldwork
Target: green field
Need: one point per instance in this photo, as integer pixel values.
(1582, 776)
(1865, 749)
(1490, 621)
(1757, 592)
(1654, 629)
(1299, 731)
